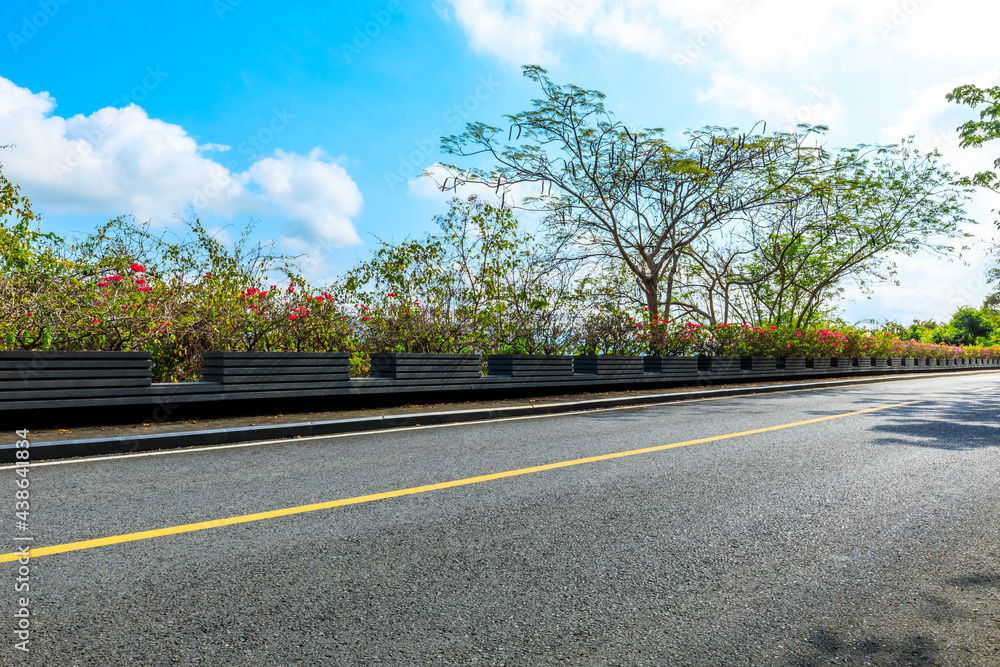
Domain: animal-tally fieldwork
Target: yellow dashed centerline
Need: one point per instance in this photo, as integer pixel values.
(358, 500)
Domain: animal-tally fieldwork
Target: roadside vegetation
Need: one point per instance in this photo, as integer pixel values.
(734, 243)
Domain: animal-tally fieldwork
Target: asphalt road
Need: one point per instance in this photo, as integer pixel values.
(869, 538)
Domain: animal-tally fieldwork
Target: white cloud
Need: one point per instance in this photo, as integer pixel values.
(427, 187)
(523, 31)
(319, 197)
(117, 161)
(933, 287)
(930, 288)
(757, 34)
(815, 105)
(933, 120)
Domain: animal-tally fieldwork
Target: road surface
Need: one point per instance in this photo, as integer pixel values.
(855, 526)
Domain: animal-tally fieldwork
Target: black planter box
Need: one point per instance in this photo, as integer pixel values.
(895, 362)
(758, 364)
(862, 362)
(607, 365)
(879, 362)
(727, 365)
(675, 366)
(420, 366)
(818, 363)
(530, 366)
(791, 364)
(842, 363)
(275, 368)
(54, 375)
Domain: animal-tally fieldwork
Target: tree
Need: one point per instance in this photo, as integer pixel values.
(19, 241)
(786, 263)
(971, 327)
(613, 195)
(975, 133)
(480, 284)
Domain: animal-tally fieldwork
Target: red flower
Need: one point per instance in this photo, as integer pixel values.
(103, 283)
(208, 275)
(140, 281)
(138, 268)
(293, 317)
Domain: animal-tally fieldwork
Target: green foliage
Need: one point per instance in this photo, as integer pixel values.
(616, 196)
(125, 288)
(481, 285)
(975, 133)
(788, 263)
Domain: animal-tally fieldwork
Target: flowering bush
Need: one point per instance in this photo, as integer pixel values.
(742, 340)
(123, 289)
(478, 288)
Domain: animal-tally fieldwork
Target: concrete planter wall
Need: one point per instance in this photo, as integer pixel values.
(530, 366)
(683, 367)
(726, 365)
(842, 363)
(51, 375)
(862, 362)
(792, 364)
(758, 364)
(38, 383)
(418, 366)
(608, 365)
(248, 370)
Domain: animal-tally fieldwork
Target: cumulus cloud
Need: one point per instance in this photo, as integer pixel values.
(119, 160)
(427, 186)
(933, 120)
(319, 197)
(756, 33)
(814, 105)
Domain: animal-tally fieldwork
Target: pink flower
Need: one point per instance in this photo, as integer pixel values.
(208, 275)
(95, 320)
(140, 281)
(144, 288)
(103, 283)
(293, 317)
(365, 318)
(391, 294)
(138, 268)
(116, 278)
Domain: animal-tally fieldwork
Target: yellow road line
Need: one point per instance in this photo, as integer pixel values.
(357, 500)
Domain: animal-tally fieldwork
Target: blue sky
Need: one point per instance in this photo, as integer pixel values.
(317, 118)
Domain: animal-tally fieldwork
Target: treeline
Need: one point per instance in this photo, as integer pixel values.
(968, 326)
(642, 246)
(479, 285)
